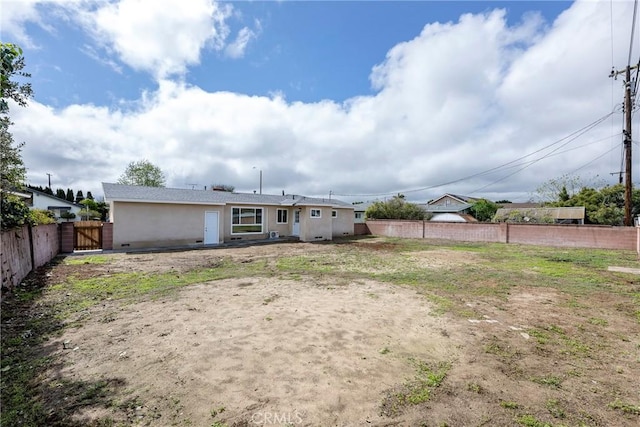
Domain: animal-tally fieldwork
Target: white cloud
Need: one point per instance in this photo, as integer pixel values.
(236, 48)
(14, 15)
(161, 37)
(458, 99)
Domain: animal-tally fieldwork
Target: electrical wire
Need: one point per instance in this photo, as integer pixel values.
(633, 29)
(571, 137)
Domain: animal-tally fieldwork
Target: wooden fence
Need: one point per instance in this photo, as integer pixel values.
(25, 249)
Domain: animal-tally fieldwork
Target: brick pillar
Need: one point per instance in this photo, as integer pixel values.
(504, 232)
(66, 237)
(107, 236)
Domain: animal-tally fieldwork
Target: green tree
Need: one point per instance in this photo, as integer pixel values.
(89, 195)
(550, 191)
(483, 210)
(603, 206)
(70, 197)
(60, 193)
(79, 196)
(143, 173)
(396, 208)
(12, 169)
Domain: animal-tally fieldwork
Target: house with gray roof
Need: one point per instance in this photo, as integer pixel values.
(450, 208)
(164, 217)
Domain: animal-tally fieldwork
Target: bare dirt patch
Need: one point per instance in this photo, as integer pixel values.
(261, 347)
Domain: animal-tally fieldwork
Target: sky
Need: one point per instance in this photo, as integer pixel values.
(357, 100)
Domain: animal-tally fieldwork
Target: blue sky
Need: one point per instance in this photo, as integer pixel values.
(364, 99)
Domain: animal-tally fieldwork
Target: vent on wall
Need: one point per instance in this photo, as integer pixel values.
(274, 234)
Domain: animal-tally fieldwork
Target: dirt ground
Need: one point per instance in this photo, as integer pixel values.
(313, 352)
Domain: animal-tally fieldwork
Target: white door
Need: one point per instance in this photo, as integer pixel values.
(211, 235)
(296, 223)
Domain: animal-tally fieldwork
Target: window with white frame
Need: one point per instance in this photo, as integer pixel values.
(246, 220)
(316, 213)
(282, 216)
(334, 214)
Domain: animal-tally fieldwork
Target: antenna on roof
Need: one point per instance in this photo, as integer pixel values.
(193, 186)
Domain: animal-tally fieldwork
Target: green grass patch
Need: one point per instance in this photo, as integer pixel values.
(529, 420)
(87, 259)
(624, 407)
(86, 292)
(417, 390)
(548, 380)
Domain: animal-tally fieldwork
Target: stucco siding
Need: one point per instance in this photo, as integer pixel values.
(342, 224)
(158, 224)
(315, 228)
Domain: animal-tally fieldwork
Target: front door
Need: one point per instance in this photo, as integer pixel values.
(296, 223)
(211, 235)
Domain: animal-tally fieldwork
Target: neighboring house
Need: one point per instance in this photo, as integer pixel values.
(163, 217)
(359, 210)
(537, 215)
(450, 208)
(39, 200)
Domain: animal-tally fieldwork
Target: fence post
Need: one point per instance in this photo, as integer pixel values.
(66, 237)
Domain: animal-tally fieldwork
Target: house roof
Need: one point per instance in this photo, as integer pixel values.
(445, 208)
(461, 199)
(54, 199)
(134, 193)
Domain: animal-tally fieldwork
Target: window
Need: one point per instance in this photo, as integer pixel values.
(246, 220)
(358, 215)
(283, 215)
(316, 213)
(334, 214)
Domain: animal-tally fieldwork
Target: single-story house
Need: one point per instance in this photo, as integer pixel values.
(163, 217)
(450, 208)
(39, 200)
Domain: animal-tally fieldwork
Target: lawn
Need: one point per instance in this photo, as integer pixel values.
(363, 331)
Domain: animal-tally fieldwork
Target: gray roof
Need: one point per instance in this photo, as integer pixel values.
(455, 208)
(134, 193)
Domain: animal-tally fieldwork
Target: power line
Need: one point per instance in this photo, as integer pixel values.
(572, 137)
(633, 29)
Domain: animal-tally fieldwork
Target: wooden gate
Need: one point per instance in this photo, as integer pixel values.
(87, 235)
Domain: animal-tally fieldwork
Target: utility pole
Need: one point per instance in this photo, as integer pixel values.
(628, 107)
(49, 175)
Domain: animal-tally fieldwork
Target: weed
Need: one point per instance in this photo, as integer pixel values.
(417, 390)
(548, 380)
(509, 405)
(474, 387)
(555, 408)
(626, 408)
(598, 321)
(384, 350)
(531, 421)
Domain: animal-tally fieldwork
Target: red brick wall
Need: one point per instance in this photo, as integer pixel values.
(360, 229)
(107, 236)
(579, 236)
(583, 236)
(66, 237)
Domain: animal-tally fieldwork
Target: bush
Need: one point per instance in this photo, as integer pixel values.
(396, 208)
(67, 215)
(41, 217)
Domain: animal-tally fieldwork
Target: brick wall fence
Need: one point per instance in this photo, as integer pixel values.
(578, 236)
